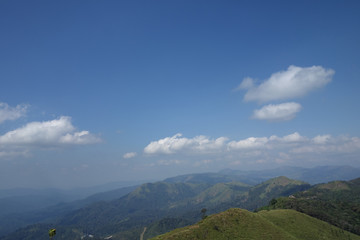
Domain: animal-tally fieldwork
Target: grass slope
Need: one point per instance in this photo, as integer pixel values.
(337, 202)
(276, 224)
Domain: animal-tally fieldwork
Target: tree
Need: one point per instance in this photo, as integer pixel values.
(203, 213)
(52, 233)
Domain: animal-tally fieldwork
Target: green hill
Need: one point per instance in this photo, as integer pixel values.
(337, 202)
(276, 224)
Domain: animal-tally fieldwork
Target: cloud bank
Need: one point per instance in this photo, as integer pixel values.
(293, 83)
(255, 149)
(11, 113)
(278, 112)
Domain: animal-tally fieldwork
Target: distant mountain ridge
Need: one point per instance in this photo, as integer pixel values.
(320, 174)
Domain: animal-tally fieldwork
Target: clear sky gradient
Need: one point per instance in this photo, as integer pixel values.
(100, 91)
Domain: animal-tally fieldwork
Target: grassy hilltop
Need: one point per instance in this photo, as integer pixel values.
(276, 224)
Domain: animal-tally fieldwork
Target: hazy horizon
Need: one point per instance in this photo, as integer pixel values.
(116, 184)
(105, 91)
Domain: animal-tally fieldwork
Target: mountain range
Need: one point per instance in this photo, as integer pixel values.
(165, 205)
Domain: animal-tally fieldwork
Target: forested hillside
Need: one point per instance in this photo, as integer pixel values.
(336, 202)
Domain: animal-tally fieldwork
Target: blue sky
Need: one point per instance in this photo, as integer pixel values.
(99, 91)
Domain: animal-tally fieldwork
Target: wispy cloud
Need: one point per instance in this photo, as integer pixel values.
(163, 162)
(13, 153)
(277, 112)
(129, 155)
(11, 113)
(292, 83)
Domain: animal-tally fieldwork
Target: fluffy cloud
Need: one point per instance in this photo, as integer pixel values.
(293, 83)
(49, 133)
(177, 144)
(249, 143)
(11, 113)
(277, 112)
(129, 155)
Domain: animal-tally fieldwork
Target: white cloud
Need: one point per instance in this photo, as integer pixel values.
(177, 144)
(166, 145)
(11, 113)
(48, 133)
(293, 83)
(278, 112)
(294, 137)
(129, 155)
